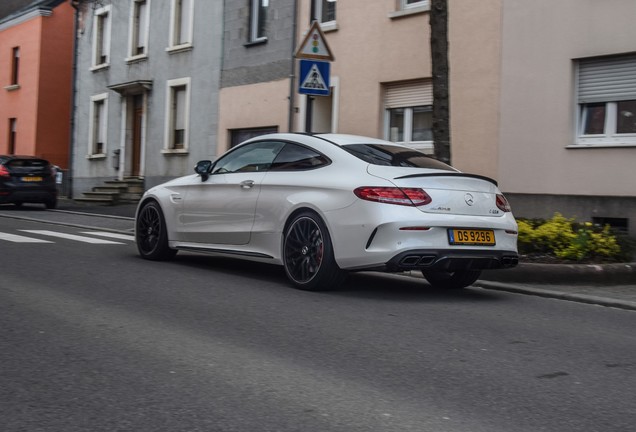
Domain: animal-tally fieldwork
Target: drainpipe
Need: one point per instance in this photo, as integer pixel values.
(292, 75)
(69, 182)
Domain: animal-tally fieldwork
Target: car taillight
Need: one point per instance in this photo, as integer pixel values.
(503, 203)
(4, 172)
(393, 195)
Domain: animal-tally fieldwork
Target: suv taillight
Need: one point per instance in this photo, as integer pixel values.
(4, 172)
(393, 195)
(503, 203)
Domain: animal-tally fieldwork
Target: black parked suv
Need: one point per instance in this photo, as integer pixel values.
(27, 179)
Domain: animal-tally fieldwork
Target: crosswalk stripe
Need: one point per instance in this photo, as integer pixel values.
(21, 239)
(71, 237)
(110, 235)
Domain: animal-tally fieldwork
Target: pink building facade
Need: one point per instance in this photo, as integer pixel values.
(36, 56)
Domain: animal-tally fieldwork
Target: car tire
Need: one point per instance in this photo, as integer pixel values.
(451, 280)
(51, 204)
(151, 234)
(308, 255)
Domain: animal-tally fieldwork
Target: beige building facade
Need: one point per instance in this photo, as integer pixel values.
(541, 93)
(567, 134)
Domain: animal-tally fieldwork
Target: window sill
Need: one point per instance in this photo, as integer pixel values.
(175, 152)
(600, 145)
(409, 12)
(179, 48)
(255, 42)
(12, 87)
(136, 58)
(100, 67)
(96, 156)
(329, 26)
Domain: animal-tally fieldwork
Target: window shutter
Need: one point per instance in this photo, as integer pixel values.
(607, 79)
(414, 93)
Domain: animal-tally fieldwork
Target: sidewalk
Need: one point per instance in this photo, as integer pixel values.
(612, 285)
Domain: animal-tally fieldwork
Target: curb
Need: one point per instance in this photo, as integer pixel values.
(565, 274)
(574, 297)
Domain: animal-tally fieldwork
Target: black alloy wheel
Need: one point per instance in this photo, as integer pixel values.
(308, 254)
(151, 234)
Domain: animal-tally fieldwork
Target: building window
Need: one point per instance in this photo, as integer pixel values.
(182, 19)
(139, 28)
(13, 135)
(410, 4)
(177, 113)
(258, 20)
(409, 114)
(237, 136)
(98, 125)
(101, 37)
(15, 66)
(412, 125)
(324, 11)
(606, 92)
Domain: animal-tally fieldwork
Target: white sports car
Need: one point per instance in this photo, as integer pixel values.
(322, 205)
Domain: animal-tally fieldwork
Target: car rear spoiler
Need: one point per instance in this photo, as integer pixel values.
(477, 176)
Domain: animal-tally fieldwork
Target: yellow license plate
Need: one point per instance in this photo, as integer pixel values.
(471, 237)
(32, 179)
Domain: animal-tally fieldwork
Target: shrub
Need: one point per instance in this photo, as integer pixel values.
(565, 239)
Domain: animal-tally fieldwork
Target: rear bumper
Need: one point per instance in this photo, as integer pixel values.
(40, 195)
(453, 260)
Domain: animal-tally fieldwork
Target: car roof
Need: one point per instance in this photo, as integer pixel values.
(346, 139)
(20, 157)
(334, 138)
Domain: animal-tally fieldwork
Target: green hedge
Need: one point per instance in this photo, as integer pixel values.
(566, 239)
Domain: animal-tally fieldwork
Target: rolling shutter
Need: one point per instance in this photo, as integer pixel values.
(607, 79)
(413, 93)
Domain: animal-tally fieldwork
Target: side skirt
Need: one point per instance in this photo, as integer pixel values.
(232, 252)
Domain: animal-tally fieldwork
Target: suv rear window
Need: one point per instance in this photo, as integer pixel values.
(28, 163)
(388, 155)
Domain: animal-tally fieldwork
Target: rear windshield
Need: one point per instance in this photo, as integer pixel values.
(381, 154)
(28, 163)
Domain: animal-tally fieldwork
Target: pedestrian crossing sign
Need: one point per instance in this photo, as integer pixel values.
(314, 78)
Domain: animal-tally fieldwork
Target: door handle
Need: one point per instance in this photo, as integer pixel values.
(247, 184)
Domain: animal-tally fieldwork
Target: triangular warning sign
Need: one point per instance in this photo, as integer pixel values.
(314, 80)
(314, 45)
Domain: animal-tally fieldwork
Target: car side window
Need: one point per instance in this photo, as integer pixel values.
(257, 156)
(298, 158)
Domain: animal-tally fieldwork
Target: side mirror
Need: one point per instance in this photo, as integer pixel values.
(203, 169)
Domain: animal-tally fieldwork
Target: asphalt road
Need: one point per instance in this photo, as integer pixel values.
(93, 338)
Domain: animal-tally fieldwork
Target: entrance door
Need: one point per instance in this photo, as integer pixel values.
(138, 115)
(323, 113)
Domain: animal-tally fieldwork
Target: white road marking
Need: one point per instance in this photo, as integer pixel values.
(110, 235)
(21, 239)
(71, 237)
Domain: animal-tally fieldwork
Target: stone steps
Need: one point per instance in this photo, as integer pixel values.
(114, 192)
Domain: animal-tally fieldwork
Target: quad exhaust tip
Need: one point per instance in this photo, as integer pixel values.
(418, 260)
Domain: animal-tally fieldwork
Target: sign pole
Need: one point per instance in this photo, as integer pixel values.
(309, 113)
(315, 56)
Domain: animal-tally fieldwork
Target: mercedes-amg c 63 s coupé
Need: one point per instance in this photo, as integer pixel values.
(326, 204)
